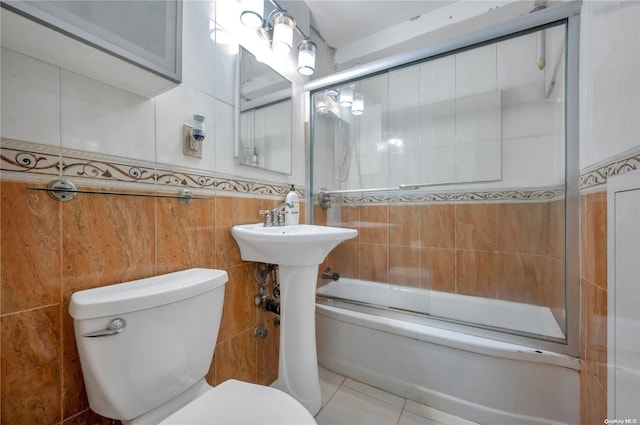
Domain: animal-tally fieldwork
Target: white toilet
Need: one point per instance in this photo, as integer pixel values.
(145, 347)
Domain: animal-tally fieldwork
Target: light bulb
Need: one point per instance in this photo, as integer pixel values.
(283, 25)
(306, 57)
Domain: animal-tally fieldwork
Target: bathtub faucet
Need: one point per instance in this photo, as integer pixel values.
(328, 274)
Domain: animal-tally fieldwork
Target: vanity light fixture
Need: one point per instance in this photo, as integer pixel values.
(251, 16)
(283, 25)
(277, 29)
(306, 57)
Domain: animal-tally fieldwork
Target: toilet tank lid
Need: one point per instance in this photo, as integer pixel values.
(144, 293)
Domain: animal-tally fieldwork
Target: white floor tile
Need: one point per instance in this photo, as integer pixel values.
(349, 402)
(349, 407)
(329, 384)
(381, 395)
(409, 418)
(436, 415)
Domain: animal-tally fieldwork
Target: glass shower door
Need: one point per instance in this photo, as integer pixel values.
(453, 171)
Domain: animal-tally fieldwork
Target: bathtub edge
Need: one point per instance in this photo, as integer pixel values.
(450, 338)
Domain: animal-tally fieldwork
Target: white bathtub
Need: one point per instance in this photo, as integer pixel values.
(484, 380)
(533, 319)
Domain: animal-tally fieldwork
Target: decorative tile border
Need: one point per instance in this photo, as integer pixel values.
(29, 162)
(520, 195)
(71, 167)
(598, 175)
(18, 158)
(590, 178)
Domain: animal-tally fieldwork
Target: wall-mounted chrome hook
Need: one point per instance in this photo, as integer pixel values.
(62, 190)
(185, 196)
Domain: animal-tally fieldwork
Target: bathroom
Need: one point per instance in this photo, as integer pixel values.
(59, 123)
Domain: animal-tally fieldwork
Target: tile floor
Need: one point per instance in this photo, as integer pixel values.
(348, 402)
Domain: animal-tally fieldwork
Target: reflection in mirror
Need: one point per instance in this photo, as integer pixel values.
(264, 139)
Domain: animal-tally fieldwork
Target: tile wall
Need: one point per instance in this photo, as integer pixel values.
(480, 249)
(609, 132)
(593, 307)
(52, 249)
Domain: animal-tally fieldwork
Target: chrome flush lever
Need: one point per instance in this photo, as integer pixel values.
(115, 327)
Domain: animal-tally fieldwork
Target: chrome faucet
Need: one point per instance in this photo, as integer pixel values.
(328, 274)
(275, 217)
(278, 214)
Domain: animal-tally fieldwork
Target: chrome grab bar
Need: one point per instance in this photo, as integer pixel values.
(66, 190)
(324, 194)
(115, 327)
(404, 186)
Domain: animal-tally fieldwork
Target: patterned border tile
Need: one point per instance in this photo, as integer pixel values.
(599, 175)
(28, 158)
(102, 170)
(590, 178)
(23, 161)
(532, 195)
(34, 159)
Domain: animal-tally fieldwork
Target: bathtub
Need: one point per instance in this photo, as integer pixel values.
(481, 379)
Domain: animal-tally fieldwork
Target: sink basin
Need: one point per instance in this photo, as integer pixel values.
(298, 251)
(298, 245)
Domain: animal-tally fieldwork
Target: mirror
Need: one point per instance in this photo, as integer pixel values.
(263, 115)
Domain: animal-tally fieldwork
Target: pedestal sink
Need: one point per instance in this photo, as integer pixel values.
(298, 251)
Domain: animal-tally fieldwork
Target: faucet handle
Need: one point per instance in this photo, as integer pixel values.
(279, 218)
(267, 217)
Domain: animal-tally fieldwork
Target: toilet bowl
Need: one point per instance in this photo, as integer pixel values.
(234, 402)
(146, 346)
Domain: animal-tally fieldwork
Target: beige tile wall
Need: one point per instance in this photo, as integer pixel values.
(509, 251)
(51, 249)
(593, 308)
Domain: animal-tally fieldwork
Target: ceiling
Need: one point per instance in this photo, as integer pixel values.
(343, 21)
(365, 30)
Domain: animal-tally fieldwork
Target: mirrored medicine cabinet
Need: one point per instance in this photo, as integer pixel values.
(263, 116)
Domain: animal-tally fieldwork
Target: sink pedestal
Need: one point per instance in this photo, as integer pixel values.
(298, 251)
(298, 368)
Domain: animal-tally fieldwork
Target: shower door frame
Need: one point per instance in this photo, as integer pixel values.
(569, 15)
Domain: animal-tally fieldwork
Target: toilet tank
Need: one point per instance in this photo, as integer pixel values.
(165, 347)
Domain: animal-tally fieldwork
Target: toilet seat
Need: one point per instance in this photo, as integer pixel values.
(241, 403)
